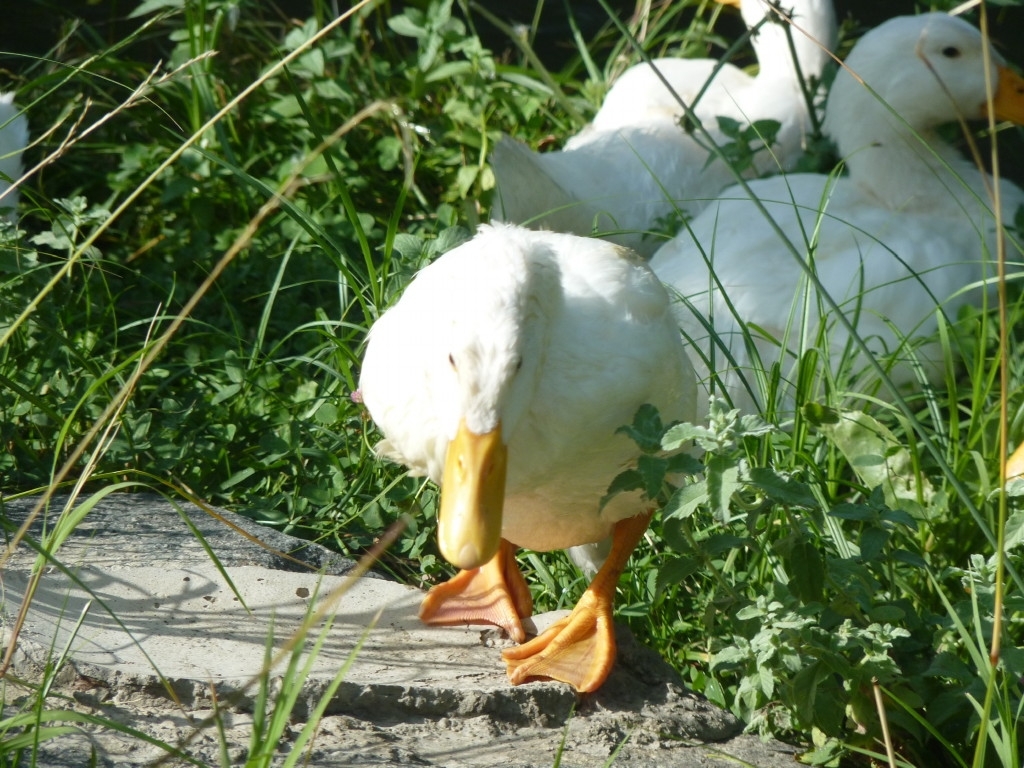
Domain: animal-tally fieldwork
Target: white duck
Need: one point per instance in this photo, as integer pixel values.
(13, 140)
(503, 373)
(909, 229)
(634, 164)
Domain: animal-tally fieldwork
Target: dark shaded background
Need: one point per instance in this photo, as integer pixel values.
(32, 27)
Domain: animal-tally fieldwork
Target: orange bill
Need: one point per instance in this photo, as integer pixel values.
(472, 497)
(1015, 464)
(1008, 101)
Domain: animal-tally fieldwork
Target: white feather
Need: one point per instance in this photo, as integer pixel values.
(908, 231)
(13, 140)
(559, 337)
(634, 164)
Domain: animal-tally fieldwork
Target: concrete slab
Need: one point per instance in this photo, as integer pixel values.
(413, 695)
(190, 623)
(123, 530)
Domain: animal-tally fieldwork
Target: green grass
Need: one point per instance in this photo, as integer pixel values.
(201, 252)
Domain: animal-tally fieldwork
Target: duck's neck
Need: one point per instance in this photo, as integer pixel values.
(776, 42)
(786, 69)
(775, 58)
(903, 167)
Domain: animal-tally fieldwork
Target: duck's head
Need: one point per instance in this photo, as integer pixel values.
(496, 328)
(929, 69)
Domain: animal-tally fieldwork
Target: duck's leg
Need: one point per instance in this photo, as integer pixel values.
(496, 593)
(580, 649)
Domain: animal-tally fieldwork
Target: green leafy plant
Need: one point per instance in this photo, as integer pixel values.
(226, 198)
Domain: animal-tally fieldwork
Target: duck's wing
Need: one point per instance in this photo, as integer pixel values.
(888, 272)
(627, 186)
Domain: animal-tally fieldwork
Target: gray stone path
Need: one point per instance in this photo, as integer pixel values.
(159, 617)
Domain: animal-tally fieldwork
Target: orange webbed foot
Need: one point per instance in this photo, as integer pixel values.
(495, 593)
(580, 649)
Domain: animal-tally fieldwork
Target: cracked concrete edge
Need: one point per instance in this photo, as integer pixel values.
(524, 710)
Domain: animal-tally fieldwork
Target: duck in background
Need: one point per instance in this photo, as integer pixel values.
(909, 232)
(503, 373)
(13, 140)
(635, 165)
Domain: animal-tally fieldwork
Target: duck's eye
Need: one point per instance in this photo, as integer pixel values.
(451, 362)
(951, 52)
(519, 364)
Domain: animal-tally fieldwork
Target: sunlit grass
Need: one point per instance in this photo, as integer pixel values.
(203, 246)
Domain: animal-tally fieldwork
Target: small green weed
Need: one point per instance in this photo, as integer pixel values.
(798, 575)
